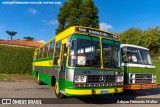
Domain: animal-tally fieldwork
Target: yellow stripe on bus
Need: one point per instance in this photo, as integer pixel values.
(89, 91)
(44, 63)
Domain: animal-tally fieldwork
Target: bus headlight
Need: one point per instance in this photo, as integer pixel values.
(80, 78)
(154, 80)
(119, 78)
(154, 76)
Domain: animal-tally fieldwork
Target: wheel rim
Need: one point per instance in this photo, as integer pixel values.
(38, 78)
(56, 88)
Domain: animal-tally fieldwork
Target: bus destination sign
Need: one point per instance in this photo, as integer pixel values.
(96, 32)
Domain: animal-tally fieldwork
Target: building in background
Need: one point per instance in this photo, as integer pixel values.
(23, 43)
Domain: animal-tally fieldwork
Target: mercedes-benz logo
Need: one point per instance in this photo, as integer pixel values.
(145, 78)
(102, 79)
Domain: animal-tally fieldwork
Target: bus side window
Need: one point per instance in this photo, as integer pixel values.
(57, 53)
(45, 51)
(51, 49)
(40, 53)
(36, 55)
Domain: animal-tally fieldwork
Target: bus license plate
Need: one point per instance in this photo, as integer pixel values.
(103, 91)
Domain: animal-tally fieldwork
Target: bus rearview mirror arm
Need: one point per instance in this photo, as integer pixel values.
(124, 50)
(125, 59)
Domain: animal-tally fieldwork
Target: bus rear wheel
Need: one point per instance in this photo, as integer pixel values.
(39, 82)
(57, 92)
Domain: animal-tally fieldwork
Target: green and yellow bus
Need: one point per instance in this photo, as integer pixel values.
(139, 71)
(80, 61)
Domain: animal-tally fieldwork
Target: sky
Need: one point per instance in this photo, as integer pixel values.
(40, 20)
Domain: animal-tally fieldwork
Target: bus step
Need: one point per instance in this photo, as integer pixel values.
(63, 92)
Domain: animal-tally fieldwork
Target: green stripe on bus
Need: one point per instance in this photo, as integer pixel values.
(49, 66)
(110, 42)
(45, 78)
(94, 69)
(139, 70)
(44, 59)
(79, 36)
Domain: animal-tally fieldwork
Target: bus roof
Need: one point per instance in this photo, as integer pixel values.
(82, 30)
(86, 30)
(134, 46)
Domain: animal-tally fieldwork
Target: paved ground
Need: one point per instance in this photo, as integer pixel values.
(32, 90)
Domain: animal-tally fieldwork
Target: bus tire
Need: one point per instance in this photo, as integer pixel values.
(57, 92)
(39, 82)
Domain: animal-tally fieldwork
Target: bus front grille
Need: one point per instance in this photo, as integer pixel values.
(143, 76)
(98, 79)
(143, 80)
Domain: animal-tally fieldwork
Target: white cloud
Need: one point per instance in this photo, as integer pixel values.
(105, 26)
(32, 10)
(43, 20)
(52, 22)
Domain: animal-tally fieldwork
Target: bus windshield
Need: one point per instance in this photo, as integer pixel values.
(85, 51)
(138, 56)
(111, 54)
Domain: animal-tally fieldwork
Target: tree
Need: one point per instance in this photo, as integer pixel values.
(151, 39)
(131, 36)
(28, 38)
(11, 33)
(89, 14)
(77, 12)
(62, 17)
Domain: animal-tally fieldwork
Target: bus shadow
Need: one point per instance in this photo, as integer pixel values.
(147, 92)
(105, 99)
(119, 98)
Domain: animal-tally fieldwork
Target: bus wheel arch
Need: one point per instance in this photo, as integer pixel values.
(53, 81)
(57, 91)
(39, 82)
(37, 74)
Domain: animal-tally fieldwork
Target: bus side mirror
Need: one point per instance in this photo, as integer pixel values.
(69, 43)
(124, 50)
(125, 58)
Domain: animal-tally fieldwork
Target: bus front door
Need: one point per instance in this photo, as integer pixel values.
(62, 68)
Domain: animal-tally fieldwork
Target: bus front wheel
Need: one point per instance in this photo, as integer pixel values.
(57, 92)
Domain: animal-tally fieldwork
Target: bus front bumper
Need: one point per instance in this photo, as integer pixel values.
(139, 86)
(92, 91)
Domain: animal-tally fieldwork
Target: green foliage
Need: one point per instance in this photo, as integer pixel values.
(89, 14)
(16, 60)
(157, 64)
(149, 38)
(131, 36)
(77, 12)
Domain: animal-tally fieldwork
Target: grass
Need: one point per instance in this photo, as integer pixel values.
(16, 77)
(157, 64)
